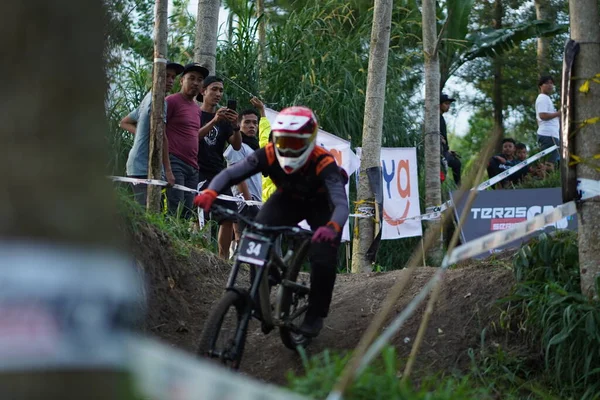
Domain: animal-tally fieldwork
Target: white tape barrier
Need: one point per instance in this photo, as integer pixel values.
(156, 182)
(164, 373)
(515, 168)
(470, 249)
(588, 188)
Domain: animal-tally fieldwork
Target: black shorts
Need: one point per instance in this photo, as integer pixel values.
(231, 205)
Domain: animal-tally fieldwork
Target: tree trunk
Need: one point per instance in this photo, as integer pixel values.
(497, 100)
(55, 195)
(372, 126)
(157, 121)
(543, 12)
(585, 29)
(433, 195)
(207, 30)
(262, 39)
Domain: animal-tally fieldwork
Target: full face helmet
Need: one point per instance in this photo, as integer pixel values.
(294, 133)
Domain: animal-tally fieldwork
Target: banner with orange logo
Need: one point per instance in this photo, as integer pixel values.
(400, 193)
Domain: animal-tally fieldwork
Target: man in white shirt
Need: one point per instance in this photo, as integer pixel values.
(547, 117)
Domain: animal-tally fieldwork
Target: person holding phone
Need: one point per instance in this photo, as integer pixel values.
(219, 126)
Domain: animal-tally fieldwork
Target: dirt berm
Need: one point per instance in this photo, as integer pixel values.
(181, 291)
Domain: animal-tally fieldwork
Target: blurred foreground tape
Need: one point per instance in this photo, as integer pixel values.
(163, 373)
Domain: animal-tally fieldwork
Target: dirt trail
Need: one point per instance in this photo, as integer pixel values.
(182, 290)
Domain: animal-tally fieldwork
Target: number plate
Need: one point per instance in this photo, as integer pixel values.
(254, 250)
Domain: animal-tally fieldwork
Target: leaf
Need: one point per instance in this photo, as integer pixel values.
(585, 88)
(591, 121)
(490, 42)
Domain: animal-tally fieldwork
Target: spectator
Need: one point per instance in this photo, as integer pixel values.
(520, 155)
(501, 162)
(182, 130)
(138, 124)
(547, 117)
(452, 158)
(218, 127)
(264, 137)
(251, 188)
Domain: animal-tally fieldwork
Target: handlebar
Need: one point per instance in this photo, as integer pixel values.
(292, 230)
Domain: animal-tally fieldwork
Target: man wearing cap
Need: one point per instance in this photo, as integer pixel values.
(138, 123)
(182, 130)
(219, 127)
(452, 158)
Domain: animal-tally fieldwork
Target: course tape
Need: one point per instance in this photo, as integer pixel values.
(156, 182)
(463, 252)
(163, 373)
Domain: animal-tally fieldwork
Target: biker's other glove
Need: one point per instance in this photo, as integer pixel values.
(205, 199)
(327, 233)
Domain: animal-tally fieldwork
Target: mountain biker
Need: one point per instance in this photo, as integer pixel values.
(310, 186)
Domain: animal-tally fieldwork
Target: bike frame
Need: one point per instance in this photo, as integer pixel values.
(260, 284)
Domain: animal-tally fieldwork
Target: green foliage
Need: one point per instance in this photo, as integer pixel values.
(556, 317)
(454, 34)
(181, 233)
(489, 42)
(382, 381)
(550, 181)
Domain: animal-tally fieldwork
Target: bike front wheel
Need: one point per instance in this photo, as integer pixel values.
(293, 301)
(223, 337)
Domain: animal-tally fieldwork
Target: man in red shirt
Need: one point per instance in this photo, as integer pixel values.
(182, 130)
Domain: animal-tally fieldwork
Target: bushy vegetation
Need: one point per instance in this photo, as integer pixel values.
(555, 328)
(555, 317)
(383, 381)
(184, 235)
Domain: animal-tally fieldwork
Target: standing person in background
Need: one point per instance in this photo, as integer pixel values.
(251, 188)
(138, 124)
(264, 137)
(219, 127)
(182, 130)
(548, 118)
(452, 158)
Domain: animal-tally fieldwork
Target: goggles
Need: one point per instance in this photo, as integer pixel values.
(292, 145)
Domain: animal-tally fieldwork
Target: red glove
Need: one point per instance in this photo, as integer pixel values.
(205, 199)
(327, 233)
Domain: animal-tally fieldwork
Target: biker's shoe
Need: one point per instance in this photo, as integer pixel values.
(311, 326)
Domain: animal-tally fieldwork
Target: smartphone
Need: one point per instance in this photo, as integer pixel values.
(232, 104)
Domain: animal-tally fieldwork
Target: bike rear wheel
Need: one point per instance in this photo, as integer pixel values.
(218, 338)
(292, 301)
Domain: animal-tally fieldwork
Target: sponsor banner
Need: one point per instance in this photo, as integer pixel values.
(522, 230)
(500, 210)
(401, 209)
(400, 193)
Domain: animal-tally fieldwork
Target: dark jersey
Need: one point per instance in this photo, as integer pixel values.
(444, 147)
(319, 179)
(211, 146)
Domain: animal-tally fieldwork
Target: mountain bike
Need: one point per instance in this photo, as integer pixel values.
(225, 329)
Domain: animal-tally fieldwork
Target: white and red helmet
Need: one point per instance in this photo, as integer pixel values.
(294, 133)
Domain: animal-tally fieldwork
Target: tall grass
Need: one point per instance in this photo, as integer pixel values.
(382, 381)
(555, 317)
